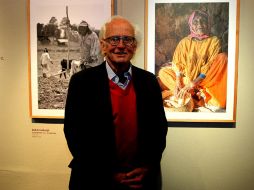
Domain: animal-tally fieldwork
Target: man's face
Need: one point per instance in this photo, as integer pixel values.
(82, 30)
(120, 52)
(200, 25)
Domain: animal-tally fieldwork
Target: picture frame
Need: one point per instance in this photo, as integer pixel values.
(166, 25)
(47, 28)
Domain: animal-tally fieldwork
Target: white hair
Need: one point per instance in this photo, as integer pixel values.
(137, 33)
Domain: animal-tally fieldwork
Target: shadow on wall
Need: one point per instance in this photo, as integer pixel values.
(172, 25)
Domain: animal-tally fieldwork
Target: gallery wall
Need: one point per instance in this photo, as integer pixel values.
(35, 155)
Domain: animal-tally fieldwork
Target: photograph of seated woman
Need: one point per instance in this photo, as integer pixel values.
(198, 70)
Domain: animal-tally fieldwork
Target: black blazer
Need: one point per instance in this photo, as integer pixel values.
(89, 129)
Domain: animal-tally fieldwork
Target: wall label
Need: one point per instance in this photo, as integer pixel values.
(36, 132)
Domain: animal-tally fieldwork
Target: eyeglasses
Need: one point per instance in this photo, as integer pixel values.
(115, 40)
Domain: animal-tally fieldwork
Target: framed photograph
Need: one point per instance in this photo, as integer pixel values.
(192, 48)
(63, 39)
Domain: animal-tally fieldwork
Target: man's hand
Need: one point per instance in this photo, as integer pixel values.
(134, 179)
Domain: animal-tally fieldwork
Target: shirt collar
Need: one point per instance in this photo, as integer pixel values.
(111, 73)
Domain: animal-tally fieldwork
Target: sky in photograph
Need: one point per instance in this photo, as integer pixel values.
(95, 12)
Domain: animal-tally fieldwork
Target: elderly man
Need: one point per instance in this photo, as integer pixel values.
(89, 44)
(115, 123)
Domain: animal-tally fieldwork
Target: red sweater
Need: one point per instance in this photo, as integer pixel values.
(125, 121)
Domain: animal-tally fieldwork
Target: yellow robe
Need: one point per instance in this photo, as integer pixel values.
(193, 57)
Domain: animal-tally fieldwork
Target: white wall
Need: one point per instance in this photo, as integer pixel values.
(195, 158)
(26, 162)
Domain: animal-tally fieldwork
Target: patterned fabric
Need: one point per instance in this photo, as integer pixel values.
(116, 79)
(122, 81)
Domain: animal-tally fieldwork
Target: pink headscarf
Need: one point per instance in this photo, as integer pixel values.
(193, 34)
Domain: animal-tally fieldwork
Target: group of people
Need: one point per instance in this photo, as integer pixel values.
(115, 123)
(90, 54)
